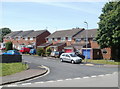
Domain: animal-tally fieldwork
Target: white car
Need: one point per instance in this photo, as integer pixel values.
(70, 57)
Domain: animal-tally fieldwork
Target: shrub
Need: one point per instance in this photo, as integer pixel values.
(40, 52)
(9, 46)
(48, 51)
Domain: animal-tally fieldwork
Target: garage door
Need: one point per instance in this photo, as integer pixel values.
(68, 50)
(86, 53)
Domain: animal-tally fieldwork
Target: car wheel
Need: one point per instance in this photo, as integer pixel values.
(61, 59)
(72, 62)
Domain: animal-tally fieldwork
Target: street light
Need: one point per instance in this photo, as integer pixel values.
(86, 39)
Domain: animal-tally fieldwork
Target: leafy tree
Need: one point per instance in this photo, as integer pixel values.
(9, 46)
(40, 52)
(109, 28)
(48, 51)
(3, 32)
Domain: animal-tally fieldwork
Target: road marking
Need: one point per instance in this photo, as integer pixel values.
(26, 83)
(38, 82)
(68, 79)
(107, 74)
(86, 77)
(50, 81)
(59, 80)
(77, 78)
(38, 76)
(101, 75)
(93, 76)
(11, 85)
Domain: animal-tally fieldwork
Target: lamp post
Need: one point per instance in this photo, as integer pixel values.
(86, 39)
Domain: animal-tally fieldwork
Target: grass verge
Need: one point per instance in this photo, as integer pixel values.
(11, 68)
(110, 62)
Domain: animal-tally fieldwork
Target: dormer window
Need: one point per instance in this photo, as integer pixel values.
(78, 40)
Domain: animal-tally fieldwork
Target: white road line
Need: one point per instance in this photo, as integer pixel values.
(59, 80)
(86, 77)
(50, 81)
(107, 74)
(77, 78)
(11, 85)
(101, 75)
(39, 82)
(68, 79)
(93, 76)
(26, 83)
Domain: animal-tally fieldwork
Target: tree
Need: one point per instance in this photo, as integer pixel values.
(3, 32)
(9, 46)
(48, 51)
(40, 52)
(109, 28)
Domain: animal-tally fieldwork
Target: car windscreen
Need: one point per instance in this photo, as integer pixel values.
(73, 55)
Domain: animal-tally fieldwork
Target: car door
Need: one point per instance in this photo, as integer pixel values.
(67, 58)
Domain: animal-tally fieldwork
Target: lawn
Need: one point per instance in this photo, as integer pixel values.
(11, 68)
(103, 62)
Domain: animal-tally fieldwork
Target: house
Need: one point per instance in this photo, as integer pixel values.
(90, 47)
(29, 38)
(62, 38)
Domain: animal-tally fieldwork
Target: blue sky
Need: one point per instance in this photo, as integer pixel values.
(53, 15)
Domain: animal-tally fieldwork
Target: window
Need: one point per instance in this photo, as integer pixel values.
(31, 38)
(69, 39)
(62, 38)
(49, 39)
(94, 39)
(67, 56)
(26, 38)
(78, 40)
(55, 39)
(18, 38)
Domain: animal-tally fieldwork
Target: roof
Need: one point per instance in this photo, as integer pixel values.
(35, 33)
(65, 33)
(45, 45)
(24, 33)
(91, 33)
(57, 44)
(12, 34)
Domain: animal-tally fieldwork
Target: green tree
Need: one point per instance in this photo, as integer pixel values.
(40, 52)
(9, 46)
(109, 28)
(48, 51)
(3, 32)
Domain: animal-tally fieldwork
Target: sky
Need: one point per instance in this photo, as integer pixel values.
(50, 15)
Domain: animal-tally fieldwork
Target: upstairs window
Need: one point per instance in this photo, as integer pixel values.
(63, 39)
(31, 38)
(55, 39)
(69, 39)
(49, 39)
(26, 38)
(78, 40)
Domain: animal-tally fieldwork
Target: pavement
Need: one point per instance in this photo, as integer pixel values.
(24, 75)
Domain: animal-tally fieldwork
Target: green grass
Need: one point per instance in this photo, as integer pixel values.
(11, 68)
(102, 62)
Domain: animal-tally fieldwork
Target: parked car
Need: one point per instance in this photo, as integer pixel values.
(56, 54)
(80, 55)
(25, 50)
(11, 52)
(70, 57)
(32, 51)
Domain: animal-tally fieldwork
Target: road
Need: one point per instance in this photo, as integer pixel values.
(63, 72)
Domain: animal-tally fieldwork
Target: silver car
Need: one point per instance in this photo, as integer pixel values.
(70, 57)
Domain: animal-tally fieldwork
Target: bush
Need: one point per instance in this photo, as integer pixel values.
(48, 51)
(9, 46)
(40, 52)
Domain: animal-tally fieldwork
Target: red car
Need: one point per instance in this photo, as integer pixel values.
(25, 50)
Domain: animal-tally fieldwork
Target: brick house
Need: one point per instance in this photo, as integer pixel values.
(93, 50)
(29, 38)
(62, 38)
